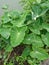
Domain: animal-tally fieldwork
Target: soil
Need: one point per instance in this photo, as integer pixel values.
(46, 62)
(1, 62)
(18, 50)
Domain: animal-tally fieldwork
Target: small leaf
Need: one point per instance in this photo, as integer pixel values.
(5, 32)
(5, 18)
(40, 54)
(10, 63)
(8, 48)
(45, 4)
(45, 26)
(45, 38)
(14, 14)
(25, 52)
(38, 1)
(5, 7)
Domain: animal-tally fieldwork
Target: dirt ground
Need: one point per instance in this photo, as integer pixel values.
(46, 62)
(18, 50)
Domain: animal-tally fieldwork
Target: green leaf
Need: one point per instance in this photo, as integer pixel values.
(38, 12)
(8, 48)
(39, 53)
(25, 52)
(45, 26)
(36, 26)
(5, 32)
(45, 38)
(10, 63)
(43, 11)
(33, 61)
(14, 14)
(38, 1)
(19, 22)
(45, 4)
(5, 7)
(9, 16)
(34, 40)
(17, 36)
(5, 18)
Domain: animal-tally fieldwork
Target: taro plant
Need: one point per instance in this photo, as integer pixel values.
(29, 28)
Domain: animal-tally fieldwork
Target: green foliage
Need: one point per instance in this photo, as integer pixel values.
(29, 28)
(17, 36)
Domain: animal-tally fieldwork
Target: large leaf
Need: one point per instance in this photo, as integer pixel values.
(39, 53)
(17, 36)
(45, 38)
(33, 39)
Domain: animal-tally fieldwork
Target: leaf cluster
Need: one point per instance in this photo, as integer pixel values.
(30, 28)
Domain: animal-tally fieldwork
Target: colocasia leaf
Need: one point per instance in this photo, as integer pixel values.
(36, 26)
(45, 38)
(39, 53)
(19, 22)
(33, 39)
(45, 26)
(8, 48)
(17, 36)
(5, 32)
